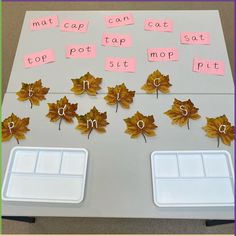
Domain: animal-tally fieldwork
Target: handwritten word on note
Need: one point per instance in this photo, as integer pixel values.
(74, 26)
(44, 23)
(116, 40)
(81, 51)
(162, 54)
(119, 20)
(120, 64)
(158, 25)
(195, 38)
(208, 66)
(39, 58)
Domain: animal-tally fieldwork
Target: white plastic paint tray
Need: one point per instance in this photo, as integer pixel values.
(45, 175)
(192, 178)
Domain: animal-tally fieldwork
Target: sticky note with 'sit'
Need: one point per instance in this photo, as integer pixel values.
(118, 64)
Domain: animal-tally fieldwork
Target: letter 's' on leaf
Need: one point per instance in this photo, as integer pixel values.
(220, 128)
(34, 93)
(93, 120)
(62, 110)
(182, 111)
(86, 84)
(14, 126)
(140, 125)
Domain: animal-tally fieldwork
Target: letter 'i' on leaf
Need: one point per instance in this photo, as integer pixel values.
(86, 83)
(34, 93)
(220, 128)
(140, 125)
(182, 111)
(157, 82)
(15, 127)
(62, 110)
(93, 120)
(119, 95)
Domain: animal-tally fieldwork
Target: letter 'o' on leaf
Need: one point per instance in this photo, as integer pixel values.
(140, 125)
(62, 110)
(14, 126)
(182, 111)
(93, 120)
(119, 95)
(34, 93)
(86, 84)
(220, 128)
(157, 82)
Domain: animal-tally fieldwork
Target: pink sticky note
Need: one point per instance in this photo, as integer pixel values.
(116, 40)
(81, 51)
(44, 23)
(195, 37)
(74, 26)
(119, 64)
(39, 58)
(208, 66)
(119, 20)
(158, 25)
(162, 54)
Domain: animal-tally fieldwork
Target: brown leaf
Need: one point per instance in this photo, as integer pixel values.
(140, 125)
(13, 126)
(220, 128)
(119, 95)
(92, 120)
(62, 110)
(34, 93)
(86, 83)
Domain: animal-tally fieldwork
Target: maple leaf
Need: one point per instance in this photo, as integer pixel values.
(140, 125)
(220, 128)
(34, 93)
(119, 95)
(86, 83)
(62, 110)
(92, 120)
(182, 111)
(13, 126)
(157, 82)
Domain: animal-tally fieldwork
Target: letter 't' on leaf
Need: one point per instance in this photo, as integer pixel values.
(182, 111)
(86, 83)
(62, 110)
(157, 82)
(221, 129)
(15, 127)
(93, 120)
(140, 125)
(119, 95)
(34, 93)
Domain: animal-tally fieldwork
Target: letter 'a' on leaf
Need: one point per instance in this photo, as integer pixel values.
(93, 120)
(13, 126)
(119, 95)
(221, 129)
(157, 82)
(86, 84)
(140, 124)
(34, 93)
(182, 111)
(62, 110)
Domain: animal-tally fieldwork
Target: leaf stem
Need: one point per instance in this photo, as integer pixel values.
(188, 124)
(144, 137)
(90, 132)
(31, 104)
(218, 141)
(17, 140)
(60, 123)
(157, 93)
(117, 104)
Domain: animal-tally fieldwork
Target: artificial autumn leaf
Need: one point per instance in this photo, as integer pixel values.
(140, 125)
(86, 83)
(157, 82)
(92, 120)
(62, 109)
(119, 95)
(182, 112)
(34, 93)
(13, 126)
(220, 128)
